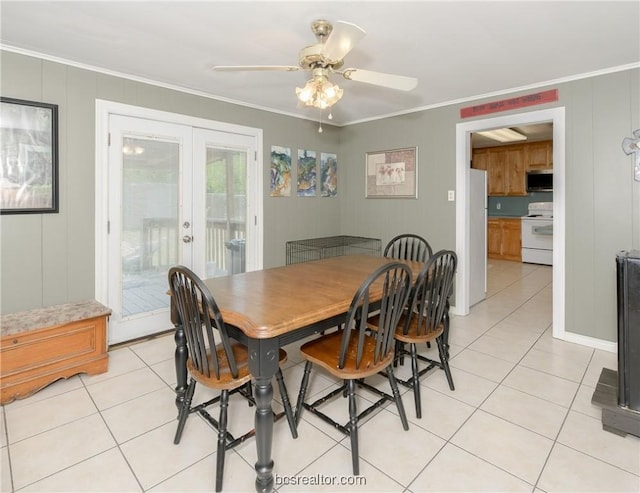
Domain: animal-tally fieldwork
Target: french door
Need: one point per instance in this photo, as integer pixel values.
(177, 194)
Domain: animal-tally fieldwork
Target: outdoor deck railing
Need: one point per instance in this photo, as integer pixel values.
(161, 237)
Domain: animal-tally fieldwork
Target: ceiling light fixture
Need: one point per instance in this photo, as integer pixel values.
(319, 91)
(503, 135)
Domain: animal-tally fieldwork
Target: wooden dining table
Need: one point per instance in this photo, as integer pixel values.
(270, 308)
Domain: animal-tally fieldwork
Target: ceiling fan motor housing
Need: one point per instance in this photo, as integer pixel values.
(311, 57)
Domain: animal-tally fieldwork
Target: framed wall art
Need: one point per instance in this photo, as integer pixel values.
(328, 174)
(392, 174)
(280, 171)
(28, 157)
(306, 173)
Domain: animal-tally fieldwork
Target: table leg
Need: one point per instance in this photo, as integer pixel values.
(180, 356)
(263, 363)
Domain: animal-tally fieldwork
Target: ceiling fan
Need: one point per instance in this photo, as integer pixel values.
(327, 57)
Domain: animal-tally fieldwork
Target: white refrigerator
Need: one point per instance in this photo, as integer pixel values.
(477, 236)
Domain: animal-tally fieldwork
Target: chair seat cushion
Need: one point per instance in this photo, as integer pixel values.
(226, 380)
(412, 336)
(325, 352)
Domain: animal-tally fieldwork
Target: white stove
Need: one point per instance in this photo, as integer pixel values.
(537, 234)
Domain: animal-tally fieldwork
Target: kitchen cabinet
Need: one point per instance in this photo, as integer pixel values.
(480, 158)
(504, 238)
(495, 172)
(539, 155)
(494, 238)
(507, 165)
(514, 171)
(505, 171)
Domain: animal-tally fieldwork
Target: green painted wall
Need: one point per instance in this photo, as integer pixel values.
(602, 200)
(48, 259)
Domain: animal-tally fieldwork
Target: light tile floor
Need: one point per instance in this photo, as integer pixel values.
(520, 419)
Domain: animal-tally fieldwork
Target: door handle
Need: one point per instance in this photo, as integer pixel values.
(187, 239)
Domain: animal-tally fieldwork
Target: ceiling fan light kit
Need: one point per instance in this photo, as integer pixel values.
(327, 56)
(319, 92)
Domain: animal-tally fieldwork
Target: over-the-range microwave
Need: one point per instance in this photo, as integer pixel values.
(540, 180)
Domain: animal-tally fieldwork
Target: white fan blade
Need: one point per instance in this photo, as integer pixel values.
(391, 81)
(341, 41)
(236, 68)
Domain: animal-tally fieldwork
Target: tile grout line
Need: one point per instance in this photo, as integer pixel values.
(6, 436)
(569, 409)
(437, 453)
(477, 408)
(564, 420)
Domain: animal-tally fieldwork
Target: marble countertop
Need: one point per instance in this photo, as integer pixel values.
(50, 316)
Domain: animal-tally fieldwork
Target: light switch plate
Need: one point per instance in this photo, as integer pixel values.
(451, 195)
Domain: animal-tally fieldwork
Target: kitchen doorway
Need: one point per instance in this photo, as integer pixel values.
(463, 207)
(508, 214)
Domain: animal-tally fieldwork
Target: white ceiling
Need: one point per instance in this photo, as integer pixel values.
(457, 50)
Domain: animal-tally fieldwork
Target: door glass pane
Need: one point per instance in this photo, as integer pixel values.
(150, 230)
(226, 173)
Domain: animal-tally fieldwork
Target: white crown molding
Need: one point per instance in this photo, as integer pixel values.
(504, 92)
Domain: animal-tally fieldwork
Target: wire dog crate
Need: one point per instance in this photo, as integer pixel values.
(331, 246)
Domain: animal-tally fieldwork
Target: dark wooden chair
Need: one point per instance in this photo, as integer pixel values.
(222, 365)
(424, 320)
(355, 352)
(408, 247)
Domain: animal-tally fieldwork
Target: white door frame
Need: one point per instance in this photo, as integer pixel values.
(463, 160)
(106, 108)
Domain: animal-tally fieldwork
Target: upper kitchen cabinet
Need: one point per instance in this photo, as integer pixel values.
(496, 172)
(480, 158)
(539, 155)
(514, 170)
(507, 165)
(505, 169)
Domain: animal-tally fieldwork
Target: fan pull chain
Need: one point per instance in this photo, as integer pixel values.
(329, 117)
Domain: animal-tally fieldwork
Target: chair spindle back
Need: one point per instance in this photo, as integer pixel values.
(408, 247)
(396, 284)
(428, 303)
(199, 315)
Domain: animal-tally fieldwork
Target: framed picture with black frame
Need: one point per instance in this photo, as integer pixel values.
(28, 157)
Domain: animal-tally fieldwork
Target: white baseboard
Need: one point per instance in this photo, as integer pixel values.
(611, 347)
